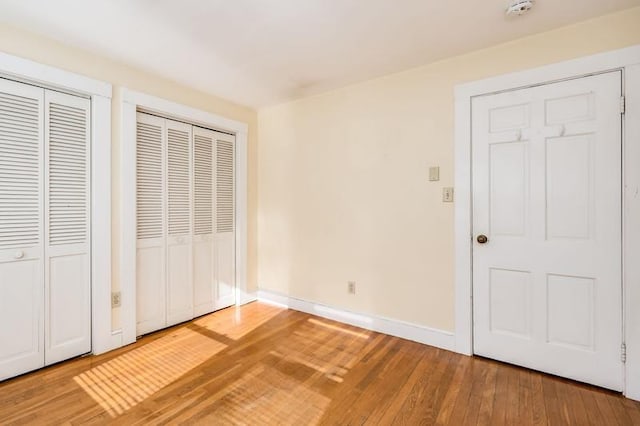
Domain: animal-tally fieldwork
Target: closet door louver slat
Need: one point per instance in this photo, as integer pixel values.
(224, 186)
(68, 195)
(20, 197)
(203, 185)
(149, 181)
(224, 219)
(178, 165)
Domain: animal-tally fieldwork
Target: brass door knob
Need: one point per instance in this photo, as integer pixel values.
(482, 239)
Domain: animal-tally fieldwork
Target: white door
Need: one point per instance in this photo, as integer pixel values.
(21, 229)
(179, 236)
(203, 249)
(150, 229)
(225, 267)
(67, 250)
(547, 196)
(185, 222)
(45, 232)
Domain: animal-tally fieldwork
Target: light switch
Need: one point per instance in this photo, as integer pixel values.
(447, 194)
(434, 173)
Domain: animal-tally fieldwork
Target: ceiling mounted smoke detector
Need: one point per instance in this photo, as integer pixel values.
(519, 7)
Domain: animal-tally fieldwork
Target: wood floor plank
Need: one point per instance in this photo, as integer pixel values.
(448, 402)
(261, 364)
(538, 408)
(487, 392)
(500, 404)
(591, 407)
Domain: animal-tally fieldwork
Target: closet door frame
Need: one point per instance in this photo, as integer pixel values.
(103, 338)
(131, 103)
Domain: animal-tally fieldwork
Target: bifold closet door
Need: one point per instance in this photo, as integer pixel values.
(203, 248)
(225, 267)
(164, 223)
(21, 229)
(45, 276)
(67, 227)
(179, 236)
(150, 253)
(185, 222)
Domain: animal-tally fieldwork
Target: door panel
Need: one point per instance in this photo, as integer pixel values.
(179, 238)
(67, 226)
(203, 245)
(150, 289)
(203, 276)
(225, 271)
(180, 290)
(547, 193)
(69, 322)
(21, 333)
(150, 225)
(21, 229)
(225, 223)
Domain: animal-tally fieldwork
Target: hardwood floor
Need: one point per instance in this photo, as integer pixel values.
(261, 364)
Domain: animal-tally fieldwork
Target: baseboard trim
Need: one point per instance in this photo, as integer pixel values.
(417, 333)
(244, 298)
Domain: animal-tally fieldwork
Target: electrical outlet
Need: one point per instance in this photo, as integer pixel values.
(351, 287)
(447, 195)
(115, 299)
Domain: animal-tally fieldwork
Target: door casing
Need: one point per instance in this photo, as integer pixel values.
(628, 62)
(100, 94)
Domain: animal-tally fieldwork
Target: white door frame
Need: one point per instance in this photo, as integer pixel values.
(20, 69)
(131, 101)
(627, 60)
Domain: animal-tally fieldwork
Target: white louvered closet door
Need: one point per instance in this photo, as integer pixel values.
(224, 221)
(150, 219)
(179, 232)
(21, 229)
(67, 227)
(203, 260)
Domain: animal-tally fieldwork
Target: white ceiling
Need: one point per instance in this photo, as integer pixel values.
(260, 52)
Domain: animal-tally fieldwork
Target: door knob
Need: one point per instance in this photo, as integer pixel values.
(19, 254)
(482, 239)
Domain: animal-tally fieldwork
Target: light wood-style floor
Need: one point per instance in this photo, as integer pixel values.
(261, 364)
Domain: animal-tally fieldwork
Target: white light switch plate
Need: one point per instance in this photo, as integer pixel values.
(434, 173)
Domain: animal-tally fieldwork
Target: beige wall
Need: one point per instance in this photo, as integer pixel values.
(343, 179)
(50, 52)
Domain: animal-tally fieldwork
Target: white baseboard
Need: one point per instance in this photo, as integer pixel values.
(417, 333)
(244, 298)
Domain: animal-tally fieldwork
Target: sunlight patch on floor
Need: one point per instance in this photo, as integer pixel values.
(125, 381)
(237, 322)
(329, 349)
(264, 395)
(362, 335)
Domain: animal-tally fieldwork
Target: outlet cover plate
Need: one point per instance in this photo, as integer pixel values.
(116, 299)
(447, 194)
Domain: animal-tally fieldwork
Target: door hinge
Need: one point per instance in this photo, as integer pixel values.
(623, 353)
(622, 104)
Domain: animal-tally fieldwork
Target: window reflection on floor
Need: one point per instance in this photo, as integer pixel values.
(277, 389)
(264, 395)
(125, 381)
